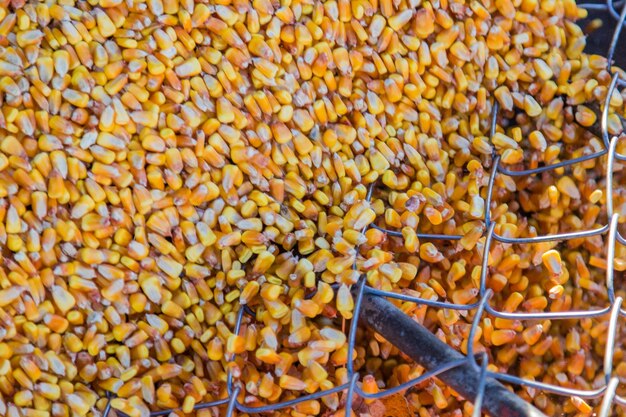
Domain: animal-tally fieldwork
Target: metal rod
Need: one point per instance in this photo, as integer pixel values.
(431, 353)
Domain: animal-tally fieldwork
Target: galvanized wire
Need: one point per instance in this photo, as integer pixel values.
(607, 391)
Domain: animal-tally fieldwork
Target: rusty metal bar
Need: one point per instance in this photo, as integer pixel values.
(431, 353)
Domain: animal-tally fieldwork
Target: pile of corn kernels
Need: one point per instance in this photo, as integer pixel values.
(165, 162)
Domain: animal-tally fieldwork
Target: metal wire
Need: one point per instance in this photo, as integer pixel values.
(608, 6)
(482, 306)
(481, 386)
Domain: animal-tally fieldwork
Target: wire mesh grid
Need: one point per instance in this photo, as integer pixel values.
(479, 361)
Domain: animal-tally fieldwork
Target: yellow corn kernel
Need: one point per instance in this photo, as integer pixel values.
(501, 337)
(291, 383)
(552, 261)
(531, 107)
